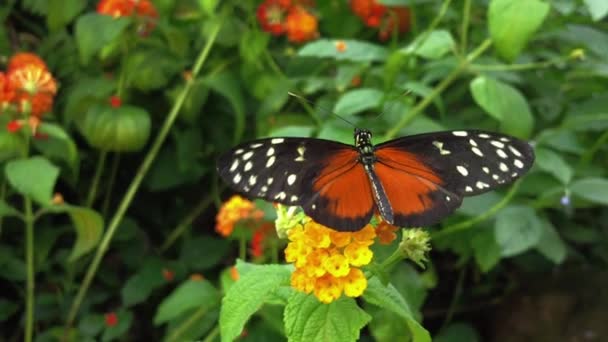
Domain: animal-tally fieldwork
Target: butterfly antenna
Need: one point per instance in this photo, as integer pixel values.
(302, 98)
(405, 93)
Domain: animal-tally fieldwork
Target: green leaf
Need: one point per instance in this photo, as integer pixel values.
(554, 164)
(89, 227)
(62, 12)
(59, 145)
(355, 50)
(307, 319)
(389, 298)
(432, 46)
(94, 31)
(512, 24)
(247, 295)
(189, 295)
(34, 177)
(551, 244)
(139, 287)
(7, 210)
(504, 103)
(227, 85)
(124, 322)
(358, 100)
(517, 229)
(592, 189)
(11, 145)
(204, 252)
(597, 8)
(151, 69)
(486, 249)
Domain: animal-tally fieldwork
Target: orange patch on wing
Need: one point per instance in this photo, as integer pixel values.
(345, 186)
(406, 181)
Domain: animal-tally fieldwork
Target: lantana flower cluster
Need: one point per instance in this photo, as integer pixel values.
(290, 17)
(385, 18)
(235, 210)
(327, 262)
(27, 91)
(142, 10)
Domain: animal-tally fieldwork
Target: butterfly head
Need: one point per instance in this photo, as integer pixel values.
(363, 141)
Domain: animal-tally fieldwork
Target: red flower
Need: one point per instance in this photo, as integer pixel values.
(300, 25)
(14, 126)
(143, 9)
(385, 18)
(21, 59)
(271, 15)
(257, 244)
(168, 274)
(6, 92)
(111, 319)
(34, 88)
(115, 101)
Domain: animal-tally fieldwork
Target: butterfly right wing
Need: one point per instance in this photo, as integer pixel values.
(322, 176)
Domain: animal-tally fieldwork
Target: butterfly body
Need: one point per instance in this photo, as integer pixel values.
(410, 181)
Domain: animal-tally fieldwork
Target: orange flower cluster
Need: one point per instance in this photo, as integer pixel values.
(236, 209)
(258, 241)
(327, 262)
(385, 18)
(290, 17)
(27, 88)
(143, 10)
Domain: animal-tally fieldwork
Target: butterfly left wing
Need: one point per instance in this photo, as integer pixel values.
(425, 176)
(322, 176)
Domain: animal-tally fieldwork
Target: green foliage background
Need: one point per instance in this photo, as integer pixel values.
(142, 199)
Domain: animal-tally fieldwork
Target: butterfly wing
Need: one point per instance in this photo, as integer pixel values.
(322, 176)
(425, 176)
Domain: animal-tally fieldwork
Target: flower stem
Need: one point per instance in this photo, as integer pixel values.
(185, 223)
(464, 29)
(139, 176)
(406, 119)
(110, 186)
(187, 324)
(95, 184)
(29, 261)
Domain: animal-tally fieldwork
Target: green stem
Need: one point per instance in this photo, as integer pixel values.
(587, 157)
(519, 67)
(393, 259)
(187, 324)
(106, 201)
(406, 119)
(29, 261)
(242, 248)
(95, 184)
(464, 29)
(454, 302)
(212, 335)
(464, 225)
(185, 223)
(139, 176)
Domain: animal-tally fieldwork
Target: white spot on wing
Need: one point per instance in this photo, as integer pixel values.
(270, 180)
(277, 140)
(247, 155)
(495, 177)
(497, 144)
(463, 170)
(460, 133)
(239, 151)
(293, 198)
(291, 179)
(472, 142)
(481, 185)
(280, 196)
(514, 151)
(503, 139)
(503, 167)
(468, 189)
(237, 178)
(252, 180)
(264, 188)
(483, 135)
(501, 153)
(447, 198)
(234, 165)
(255, 145)
(477, 151)
(248, 166)
(485, 169)
(270, 161)
(270, 152)
(518, 163)
(300, 157)
(514, 174)
(439, 146)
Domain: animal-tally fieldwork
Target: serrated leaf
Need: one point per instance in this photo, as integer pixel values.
(358, 100)
(517, 229)
(139, 287)
(189, 295)
(551, 244)
(34, 177)
(354, 50)
(89, 228)
(389, 298)
(307, 319)
(432, 46)
(591, 189)
(94, 31)
(247, 295)
(504, 103)
(554, 164)
(512, 24)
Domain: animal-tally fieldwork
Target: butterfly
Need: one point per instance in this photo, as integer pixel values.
(411, 181)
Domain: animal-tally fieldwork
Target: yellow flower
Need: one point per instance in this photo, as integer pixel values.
(326, 261)
(234, 210)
